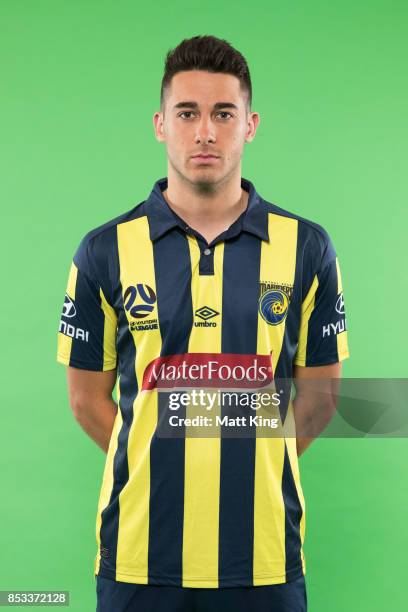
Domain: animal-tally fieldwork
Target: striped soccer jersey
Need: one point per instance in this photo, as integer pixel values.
(149, 296)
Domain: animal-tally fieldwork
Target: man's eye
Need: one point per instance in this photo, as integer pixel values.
(224, 113)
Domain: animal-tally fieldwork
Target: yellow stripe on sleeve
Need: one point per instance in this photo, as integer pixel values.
(64, 343)
(342, 341)
(307, 309)
(109, 334)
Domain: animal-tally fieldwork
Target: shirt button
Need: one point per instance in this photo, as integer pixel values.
(207, 252)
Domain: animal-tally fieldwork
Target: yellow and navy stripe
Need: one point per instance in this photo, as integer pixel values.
(185, 511)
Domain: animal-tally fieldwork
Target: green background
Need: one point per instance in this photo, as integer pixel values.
(80, 84)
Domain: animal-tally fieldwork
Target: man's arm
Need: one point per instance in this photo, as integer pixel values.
(315, 401)
(90, 397)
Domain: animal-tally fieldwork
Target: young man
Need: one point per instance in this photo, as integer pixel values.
(205, 285)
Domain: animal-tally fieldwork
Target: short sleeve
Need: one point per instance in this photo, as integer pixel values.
(88, 325)
(323, 332)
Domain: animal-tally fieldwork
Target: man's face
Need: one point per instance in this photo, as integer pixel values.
(205, 123)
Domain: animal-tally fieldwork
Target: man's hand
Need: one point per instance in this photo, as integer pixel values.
(315, 402)
(90, 397)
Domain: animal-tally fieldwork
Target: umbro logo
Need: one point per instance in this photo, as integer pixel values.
(205, 313)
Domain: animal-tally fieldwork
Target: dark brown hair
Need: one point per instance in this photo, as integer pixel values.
(206, 53)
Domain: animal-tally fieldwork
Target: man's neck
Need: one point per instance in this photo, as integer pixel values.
(211, 213)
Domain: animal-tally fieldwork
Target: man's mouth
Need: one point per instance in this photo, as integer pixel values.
(205, 158)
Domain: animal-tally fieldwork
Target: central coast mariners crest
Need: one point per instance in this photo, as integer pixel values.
(274, 302)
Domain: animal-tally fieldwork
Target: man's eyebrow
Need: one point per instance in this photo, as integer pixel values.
(217, 105)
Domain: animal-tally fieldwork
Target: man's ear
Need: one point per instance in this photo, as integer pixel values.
(158, 126)
(253, 123)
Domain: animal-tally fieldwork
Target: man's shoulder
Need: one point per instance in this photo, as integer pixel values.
(107, 227)
(99, 244)
(307, 224)
(312, 237)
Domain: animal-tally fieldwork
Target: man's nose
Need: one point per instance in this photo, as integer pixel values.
(205, 132)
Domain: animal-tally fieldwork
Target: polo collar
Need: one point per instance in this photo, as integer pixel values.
(162, 218)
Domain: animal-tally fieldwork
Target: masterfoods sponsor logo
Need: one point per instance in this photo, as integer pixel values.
(209, 370)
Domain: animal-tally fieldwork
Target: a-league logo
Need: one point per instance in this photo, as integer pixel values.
(145, 302)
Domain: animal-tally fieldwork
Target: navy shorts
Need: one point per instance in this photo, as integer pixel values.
(115, 596)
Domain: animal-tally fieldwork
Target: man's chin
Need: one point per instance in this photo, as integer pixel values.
(205, 181)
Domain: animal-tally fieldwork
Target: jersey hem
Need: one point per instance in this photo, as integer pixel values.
(329, 361)
(256, 580)
(86, 365)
